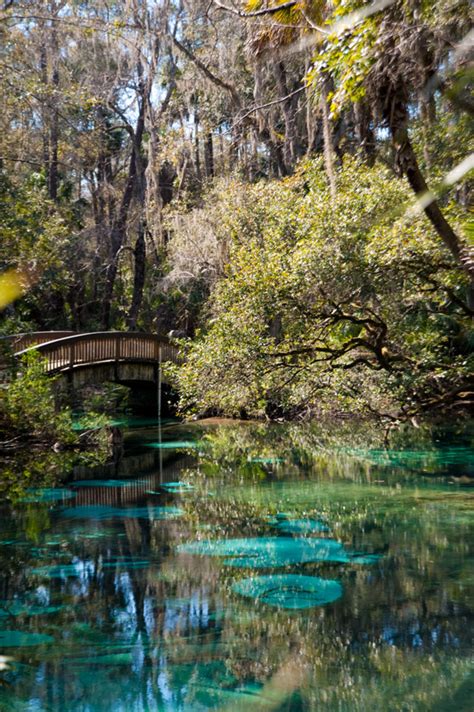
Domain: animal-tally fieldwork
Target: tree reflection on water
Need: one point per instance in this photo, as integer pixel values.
(138, 623)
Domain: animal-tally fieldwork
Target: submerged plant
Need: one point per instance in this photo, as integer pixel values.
(291, 591)
(270, 552)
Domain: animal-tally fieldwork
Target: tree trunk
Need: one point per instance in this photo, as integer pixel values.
(139, 254)
(222, 168)
(153, 189)
(118, 232)
(44, 109)
(407, 164)
(428, 117)
(290, 146)
(328, 141)
(277, 165)
(53, 98)
(110, 277)
(209, 155)
(53, 177)
(363, 130)
(197, 156)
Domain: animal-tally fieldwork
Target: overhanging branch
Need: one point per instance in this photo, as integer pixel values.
(214, 78)
(256, 13)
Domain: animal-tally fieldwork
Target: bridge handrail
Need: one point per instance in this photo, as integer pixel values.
(95, 347)
(29, 338)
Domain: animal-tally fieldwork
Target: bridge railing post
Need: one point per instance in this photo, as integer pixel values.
(117, 348)
(159, 381)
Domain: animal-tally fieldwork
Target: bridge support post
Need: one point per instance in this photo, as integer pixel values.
(72, 359)
(159, 413)
(116, 357)
(159, 383)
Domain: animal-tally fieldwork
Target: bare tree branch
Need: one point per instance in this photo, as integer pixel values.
(269, 103)
(207, 72)
(256, 13)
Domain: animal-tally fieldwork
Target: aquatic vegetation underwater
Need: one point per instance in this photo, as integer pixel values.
(269, 552)
(290, 591)
(308, 581)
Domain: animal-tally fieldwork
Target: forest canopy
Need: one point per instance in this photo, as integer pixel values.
(287, 183)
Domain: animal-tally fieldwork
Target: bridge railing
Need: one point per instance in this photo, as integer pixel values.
(19, 342)
(116, 346)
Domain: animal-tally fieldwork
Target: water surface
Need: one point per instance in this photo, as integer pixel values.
(243, 567)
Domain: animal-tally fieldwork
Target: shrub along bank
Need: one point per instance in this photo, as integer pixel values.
(337, 304)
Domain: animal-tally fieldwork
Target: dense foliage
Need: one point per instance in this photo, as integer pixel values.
(345, 304)
(29, 406)
(36, 240)
(288, 181)
(33, 409)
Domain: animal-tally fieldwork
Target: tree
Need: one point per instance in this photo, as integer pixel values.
(388, 58)
(393, 59)
(326, 308)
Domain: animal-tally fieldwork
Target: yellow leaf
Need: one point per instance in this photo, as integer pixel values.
(11, 287)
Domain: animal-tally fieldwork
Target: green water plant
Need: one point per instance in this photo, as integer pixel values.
(174, 445)
(23, 608)
(272, 552)
(177, 487)
(104, 512)
(291, 591)
(47, 494)
(61, 571)
(20, 639)
(286, 525)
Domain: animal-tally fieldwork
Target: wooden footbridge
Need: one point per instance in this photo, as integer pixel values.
(97, 356)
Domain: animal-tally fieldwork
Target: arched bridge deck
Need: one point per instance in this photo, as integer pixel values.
(125, 356)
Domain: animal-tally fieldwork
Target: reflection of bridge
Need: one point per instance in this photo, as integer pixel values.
(98, 356)
(142, 472)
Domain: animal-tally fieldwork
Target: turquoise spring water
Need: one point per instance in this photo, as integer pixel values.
(243, 567)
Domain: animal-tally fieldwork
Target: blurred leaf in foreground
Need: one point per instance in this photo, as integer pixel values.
(12, 286)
